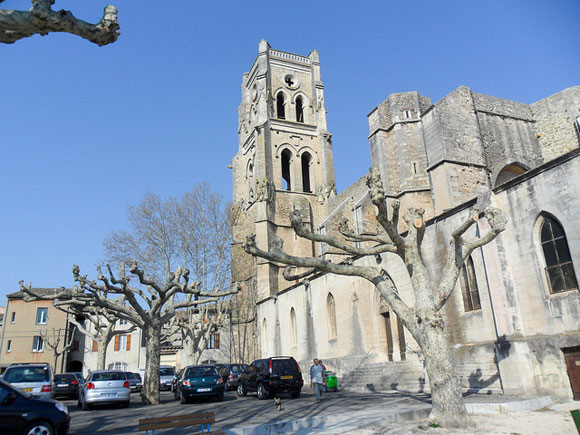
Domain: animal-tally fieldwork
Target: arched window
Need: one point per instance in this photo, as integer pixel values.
(299, 110)
(293, 330)
(305, 161)
(559, 267)
(331, 313)
(469, 287)
(264, 337)
(280, 106)
(509, 172)
(286, 158)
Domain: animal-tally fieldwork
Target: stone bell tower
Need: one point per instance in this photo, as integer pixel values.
(284, 161)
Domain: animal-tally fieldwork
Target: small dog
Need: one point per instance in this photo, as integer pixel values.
(278, 403)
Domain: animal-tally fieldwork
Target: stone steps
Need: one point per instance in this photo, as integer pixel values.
(400, 376)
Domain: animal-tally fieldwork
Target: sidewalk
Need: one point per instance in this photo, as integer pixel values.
(507, 414)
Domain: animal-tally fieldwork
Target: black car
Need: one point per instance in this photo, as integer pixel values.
(271, 376)
(23, 413)
(135, 382)
(66, 385)
(230, 374)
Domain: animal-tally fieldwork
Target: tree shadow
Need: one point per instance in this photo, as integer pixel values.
(476, 383)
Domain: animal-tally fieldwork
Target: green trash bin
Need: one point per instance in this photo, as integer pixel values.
(576, 417)
(331, 380)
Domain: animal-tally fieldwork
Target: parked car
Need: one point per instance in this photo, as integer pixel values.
(175, 378)
(35, 378)
(66, 385)
(79, 377)
(166, 374)
(24, 413)
(105, 387)
(135, 382)
(271, 376)
(199, 381)
(230, 374)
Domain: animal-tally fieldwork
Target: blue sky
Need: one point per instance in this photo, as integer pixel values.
(86, 130)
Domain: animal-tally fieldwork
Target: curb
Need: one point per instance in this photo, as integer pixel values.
(515, 406)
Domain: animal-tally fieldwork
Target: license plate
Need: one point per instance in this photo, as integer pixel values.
(28, 390)
(203, 390)
(108, 394)
(287, 377)
(62, 385)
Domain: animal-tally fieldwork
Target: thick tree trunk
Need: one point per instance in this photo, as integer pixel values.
(448, 406)
(101, 355)
(150, 392)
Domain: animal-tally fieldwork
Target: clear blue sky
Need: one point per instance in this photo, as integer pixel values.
(87, 130)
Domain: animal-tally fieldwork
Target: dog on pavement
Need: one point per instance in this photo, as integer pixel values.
(278, 403)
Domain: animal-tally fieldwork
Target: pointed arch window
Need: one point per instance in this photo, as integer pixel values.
(264, 337)
(280, 106)
(293, 330)
(469, 287)
(286, 181)
(305, 161)
(509, 172)
(331, 314)
(559, 267)
(299, 110)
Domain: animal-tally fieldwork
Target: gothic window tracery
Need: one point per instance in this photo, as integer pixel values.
(559, 267)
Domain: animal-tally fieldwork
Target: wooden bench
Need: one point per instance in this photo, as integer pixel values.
(202, 418)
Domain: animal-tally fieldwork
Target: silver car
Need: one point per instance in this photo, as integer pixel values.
(36, 379)
(105, 387)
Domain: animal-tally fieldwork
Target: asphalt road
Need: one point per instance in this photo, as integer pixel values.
(233, 412)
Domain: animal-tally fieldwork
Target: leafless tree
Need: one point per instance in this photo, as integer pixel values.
(423, 320)
(42, 20)
(147, 303)
(54, 340)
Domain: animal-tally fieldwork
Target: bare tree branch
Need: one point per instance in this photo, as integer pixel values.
(41, 19)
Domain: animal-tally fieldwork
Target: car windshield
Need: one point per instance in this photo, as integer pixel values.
(64, 378)
(237, 368)
(198, 372)
(287, 365)
(108, 376)
(166, 371)
(26, 374)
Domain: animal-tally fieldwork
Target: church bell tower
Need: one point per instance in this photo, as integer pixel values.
(284, 161)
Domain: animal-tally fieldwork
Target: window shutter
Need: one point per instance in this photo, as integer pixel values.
(217, 340)
(117, 343)
(128, 342)
(95, 346)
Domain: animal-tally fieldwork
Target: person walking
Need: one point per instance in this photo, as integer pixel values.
(316, 372)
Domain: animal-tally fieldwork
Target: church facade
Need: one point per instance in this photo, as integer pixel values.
(513, 321)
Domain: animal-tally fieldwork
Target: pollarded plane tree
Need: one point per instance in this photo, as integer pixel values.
(42, 20)
(54, 340)
(423, 320)
(148, 304)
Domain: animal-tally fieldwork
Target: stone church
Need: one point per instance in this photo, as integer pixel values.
(514, 318)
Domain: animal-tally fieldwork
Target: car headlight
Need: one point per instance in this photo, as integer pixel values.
(61, 407)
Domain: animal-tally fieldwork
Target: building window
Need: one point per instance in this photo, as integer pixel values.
(286, 158)
(9, 346)
(38, 344)
(305, 160)
(469, 288)
(214, 341)
(559, 268)
(122, 342)
(331, 314)
(41, 316)
(13, 318)
(123, 322)
(280, 106)
(293, 330)
(299, 110)
(119, 365)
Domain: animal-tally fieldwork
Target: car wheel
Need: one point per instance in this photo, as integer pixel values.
(295, 394)
(39, 428)
(241, 390)
(220, 397)
(262, 392)
(85, 406)
(182, 400)
(176, 394)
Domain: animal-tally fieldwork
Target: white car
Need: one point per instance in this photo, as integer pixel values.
(36, 379)
(105, 387)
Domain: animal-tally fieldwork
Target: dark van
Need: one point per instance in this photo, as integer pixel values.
(270, 376)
